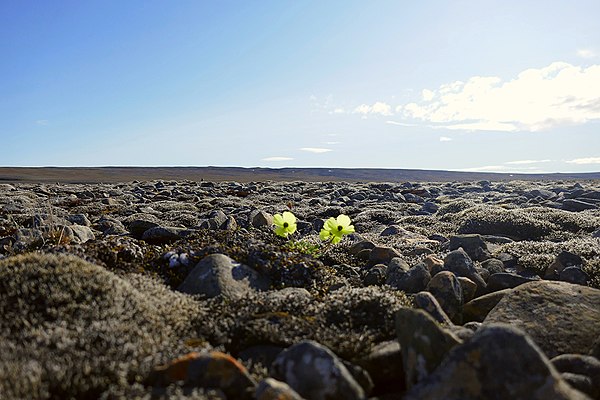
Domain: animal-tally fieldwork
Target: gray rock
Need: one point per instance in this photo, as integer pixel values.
(218, 274)
(507, 280)
(424, 343)
(82, 234)
(483, 369)
(468, 288)
(79, 219)
(315, 372)
(563, 260)
(427, 302)
(574, 275)
(473, 245)
(493, 266)
(259, 218)
(559, 316)
(360, 246)
(459, 263)
(446, 288)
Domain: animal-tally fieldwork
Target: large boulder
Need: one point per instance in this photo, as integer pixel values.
(559, 316)
(499, 362)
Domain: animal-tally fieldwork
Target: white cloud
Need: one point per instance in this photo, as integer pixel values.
(332, 143)
(445, 139)
(339, 111)
(588, 160)
(427, 95)
(523, 162)
(503, 169)
(399, 123)
(316, 150)
(586, 53)
(377, 108)
(535, 100)
(42, 122)
(277, 158)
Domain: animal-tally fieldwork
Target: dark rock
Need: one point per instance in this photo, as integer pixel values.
(362, 245)
(384, 365)
(446, 288)
(473, 245)
(427, 302)
(507, 280)
(260, 354)
(315, 372)
(424, 343)
(139, 225)
(548, 311)
(577, 205)
(218, 274)
(375, 275)
(580, 382)
(581, 365)
(574, 275)
(508, 260)
(459, 263)
(412, 280)
(563, 260)
(493, 266)
(434, 264)
(259, 218)
(164, 234)
(482, 369)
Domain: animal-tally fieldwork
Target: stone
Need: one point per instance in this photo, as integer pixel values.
(382, 254)
(478, 308)
(138, 226)
(574, 275)
(412, 280)
(459, 263)
(361, 245)
(207, 370)
(218, 274)
(427, 302)
(580, 382)
(581, 365)
(493, 266)
(563, 260)
(577, 205)
(468, 288)
(507, 280)
(259, 218)
(472, 244)
(559, 316)
(446, 288)
(424, 343)
(272, 389)
(483, 369)
(164, 234)
(375, 275)
(315, 372)
(82, 234)
(384, 366)
(434, 264)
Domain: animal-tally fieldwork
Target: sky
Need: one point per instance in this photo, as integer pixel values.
(499, 86)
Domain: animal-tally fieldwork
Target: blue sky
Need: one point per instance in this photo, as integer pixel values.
(507, 86)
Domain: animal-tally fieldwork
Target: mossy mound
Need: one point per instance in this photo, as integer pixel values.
(71, 329)
(350, 321)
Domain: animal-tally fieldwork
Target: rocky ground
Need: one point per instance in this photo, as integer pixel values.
(180, 289)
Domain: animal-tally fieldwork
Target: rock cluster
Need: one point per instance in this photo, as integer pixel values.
(180, 289)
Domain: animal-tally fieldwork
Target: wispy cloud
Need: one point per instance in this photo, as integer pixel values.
(42, 122)
(583, 161)
(399, 123)
(503, 169)
(535, 100)
(277, 158)
(524, 162)
(445, 139)
(379, 107)
(586, 53)
(332, 143)
(316, 150)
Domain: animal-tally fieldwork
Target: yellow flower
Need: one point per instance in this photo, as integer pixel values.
(285, 224)
(335, 228)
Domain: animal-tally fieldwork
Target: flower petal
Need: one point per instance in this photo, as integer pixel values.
(281, 231)
(278, 220)
(291, 228)
(289, 217)
(331, 224)
(343, 220)
(325, 234)
(348, 229)
(336, 239)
